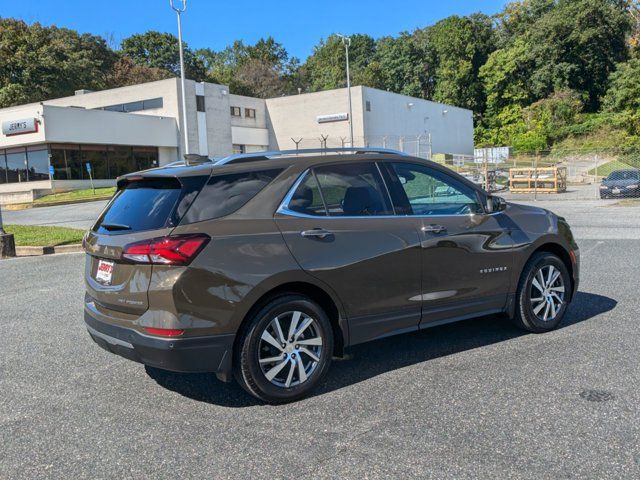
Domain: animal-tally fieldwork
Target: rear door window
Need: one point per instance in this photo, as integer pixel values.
(148, 204)
(353, 190)
(307, 198)
(224, 194)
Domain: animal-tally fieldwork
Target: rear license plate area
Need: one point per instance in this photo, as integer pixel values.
(104, 273)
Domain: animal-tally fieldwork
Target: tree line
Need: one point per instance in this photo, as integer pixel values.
(538, 74)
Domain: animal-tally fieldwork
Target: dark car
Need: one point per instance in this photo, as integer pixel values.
(265, 266)
(621, 183)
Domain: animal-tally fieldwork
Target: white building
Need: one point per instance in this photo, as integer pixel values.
(132, 128)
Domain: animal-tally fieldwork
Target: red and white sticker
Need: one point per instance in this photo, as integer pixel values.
(104, 272)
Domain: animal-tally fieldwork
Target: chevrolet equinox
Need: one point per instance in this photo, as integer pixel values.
(264, 266)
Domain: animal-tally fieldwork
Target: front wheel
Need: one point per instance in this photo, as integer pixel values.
(543, 293)
(284, 350)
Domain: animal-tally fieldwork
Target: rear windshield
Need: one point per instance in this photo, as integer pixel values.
(623, 175)
(148, 204)
(224, 194)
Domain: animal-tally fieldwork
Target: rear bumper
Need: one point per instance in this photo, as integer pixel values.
(188, 355)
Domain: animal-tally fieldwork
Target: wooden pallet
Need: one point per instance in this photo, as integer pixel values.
(543, 180)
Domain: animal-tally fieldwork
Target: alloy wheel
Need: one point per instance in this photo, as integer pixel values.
(547, 293)
(289, 349)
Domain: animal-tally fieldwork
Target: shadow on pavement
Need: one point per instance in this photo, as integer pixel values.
(371, 359)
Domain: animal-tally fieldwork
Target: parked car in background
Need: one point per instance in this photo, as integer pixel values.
(265, 266)
(621, 183)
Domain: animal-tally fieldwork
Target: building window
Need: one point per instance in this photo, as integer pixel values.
(145, 157)
(17, 165)
(135, 106)
(236, 112)
(250, 112)
(152, 103)
(368, 105)
(107, 161)
(200, 103)
(38, 162)
(238, 148)
(3, 168)
(96, 156)
(65, 160)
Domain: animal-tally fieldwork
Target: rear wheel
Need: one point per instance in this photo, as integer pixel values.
(284, 350)
(543, 293)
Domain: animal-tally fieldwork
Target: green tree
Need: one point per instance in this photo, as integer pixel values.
(505, 77)
(325, 68)
(517, 18)
(262, 70)
(577, 45)
(624, 88)
(457, 47)
(40, 62)
(160, 50)
(399, 65)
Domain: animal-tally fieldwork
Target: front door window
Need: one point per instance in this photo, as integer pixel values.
(430, 192)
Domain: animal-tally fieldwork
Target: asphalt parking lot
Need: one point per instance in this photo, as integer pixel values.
(477, 399)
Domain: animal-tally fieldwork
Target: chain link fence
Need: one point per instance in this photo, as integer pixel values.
(559, 174)
(569, 174)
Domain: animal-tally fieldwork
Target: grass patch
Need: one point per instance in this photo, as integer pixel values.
(39, 236)
(86, 194)
(607, 168)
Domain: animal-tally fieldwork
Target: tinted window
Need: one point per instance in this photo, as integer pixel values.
(148, 204)
(153, 103)
(200, 103)
(38, 161)
(623, 175)
(3, 168)
(307, 198)
(353, 190)
(420, 190)
(133, 106)
(17, 165)
(224, 194)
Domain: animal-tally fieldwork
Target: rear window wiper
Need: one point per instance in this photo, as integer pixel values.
(115, 226)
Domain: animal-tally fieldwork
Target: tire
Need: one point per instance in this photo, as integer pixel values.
(532, 305)
(290, 381)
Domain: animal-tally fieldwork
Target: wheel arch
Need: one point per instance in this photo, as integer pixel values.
(314, 292)
(559, 251)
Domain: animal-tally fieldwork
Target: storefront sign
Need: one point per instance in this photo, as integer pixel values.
(334, 117)
(19, 127)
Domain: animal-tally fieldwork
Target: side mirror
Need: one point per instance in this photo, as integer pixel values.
(495, 204)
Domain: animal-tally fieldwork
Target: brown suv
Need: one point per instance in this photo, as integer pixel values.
(267, 265)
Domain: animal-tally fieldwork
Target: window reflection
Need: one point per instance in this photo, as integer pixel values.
(28, 164)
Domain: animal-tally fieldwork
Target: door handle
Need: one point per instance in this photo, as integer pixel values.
(316, 232)
(433, 228)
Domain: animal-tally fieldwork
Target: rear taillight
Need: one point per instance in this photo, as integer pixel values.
(172, 250)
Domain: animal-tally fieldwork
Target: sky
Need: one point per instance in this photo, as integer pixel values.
(298, 25)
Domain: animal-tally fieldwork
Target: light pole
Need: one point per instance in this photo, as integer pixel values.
(346, 41)
(179, 10)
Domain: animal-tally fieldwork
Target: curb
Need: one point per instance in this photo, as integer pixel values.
(26, 206)
(36, 251)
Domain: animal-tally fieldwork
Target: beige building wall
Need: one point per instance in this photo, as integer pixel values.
(297, 116)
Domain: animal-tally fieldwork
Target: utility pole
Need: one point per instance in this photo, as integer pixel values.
(179, 10)
(346, 41)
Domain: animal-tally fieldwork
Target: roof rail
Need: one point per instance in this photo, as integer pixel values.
(255, 156)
